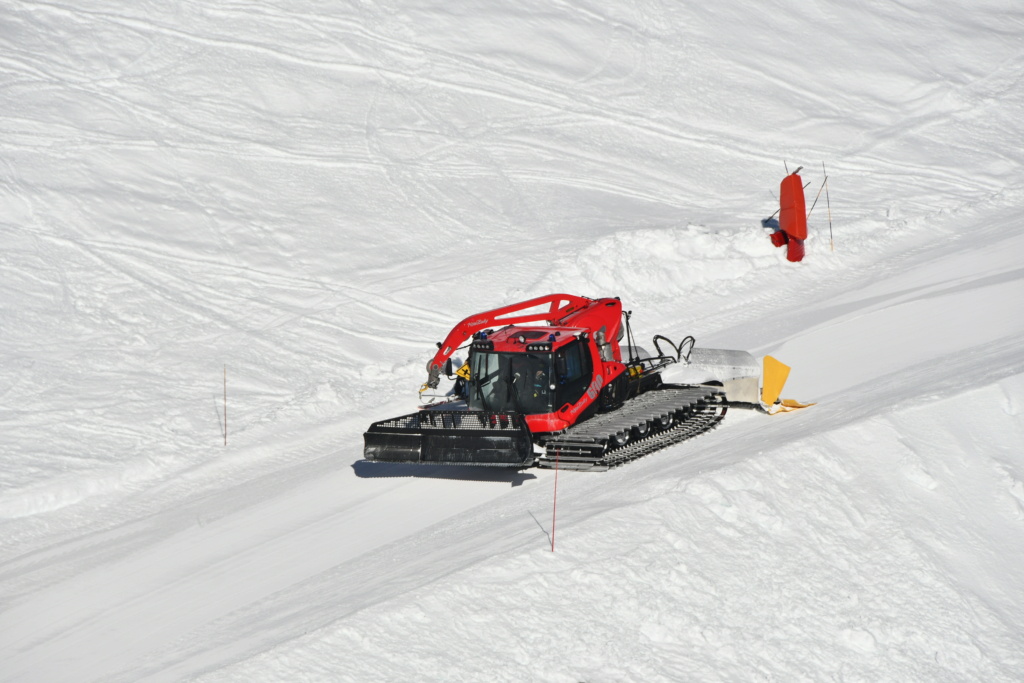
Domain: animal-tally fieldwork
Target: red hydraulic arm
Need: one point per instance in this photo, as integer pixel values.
(548, 309)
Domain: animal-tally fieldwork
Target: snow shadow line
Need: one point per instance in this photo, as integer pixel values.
(365, 469)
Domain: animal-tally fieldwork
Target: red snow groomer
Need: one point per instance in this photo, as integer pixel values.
(559, 379)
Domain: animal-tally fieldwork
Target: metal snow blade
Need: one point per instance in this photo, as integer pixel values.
(774, 376)
(787, 405)
(451, 437)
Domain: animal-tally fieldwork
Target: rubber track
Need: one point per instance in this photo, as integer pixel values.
(588, 446)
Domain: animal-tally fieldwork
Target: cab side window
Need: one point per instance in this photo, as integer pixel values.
(572, 363)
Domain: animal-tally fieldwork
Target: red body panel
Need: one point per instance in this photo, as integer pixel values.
(792, 211)
(566, 317)
(795, 250)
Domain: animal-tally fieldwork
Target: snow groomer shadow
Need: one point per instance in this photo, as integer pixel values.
(500, 475)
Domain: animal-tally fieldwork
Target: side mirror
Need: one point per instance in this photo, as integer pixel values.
(448, 367)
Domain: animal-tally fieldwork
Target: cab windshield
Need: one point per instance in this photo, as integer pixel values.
(510, 382)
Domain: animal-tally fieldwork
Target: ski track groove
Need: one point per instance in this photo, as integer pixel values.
(929, 174)
(464, 64)
(83, 139)
(570, 107)
(180, 498)
(107, 252)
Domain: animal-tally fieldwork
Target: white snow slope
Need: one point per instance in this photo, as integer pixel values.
(304, 196)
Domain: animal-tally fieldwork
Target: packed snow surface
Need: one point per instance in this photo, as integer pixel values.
(254, 219)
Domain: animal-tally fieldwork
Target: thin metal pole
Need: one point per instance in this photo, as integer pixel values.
(225, 405)
(554, 504)
(817, 197)
(829, 203)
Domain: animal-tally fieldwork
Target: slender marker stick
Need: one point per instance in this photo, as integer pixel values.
(829, 204)
(817, 197)
(554, 504)
(225, 405)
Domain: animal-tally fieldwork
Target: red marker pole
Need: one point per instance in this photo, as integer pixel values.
(225, 405)
(554, 504)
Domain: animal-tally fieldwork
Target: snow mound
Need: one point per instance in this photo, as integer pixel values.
(666, 264)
